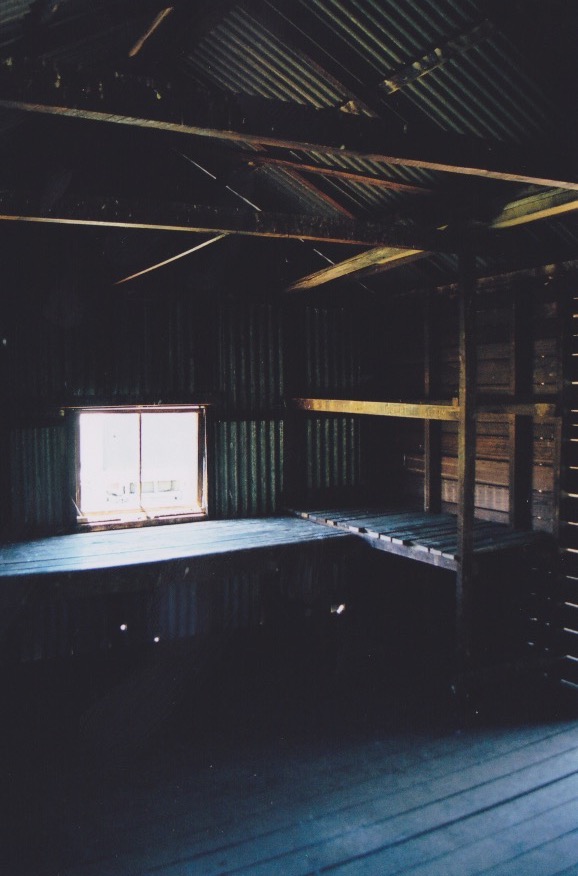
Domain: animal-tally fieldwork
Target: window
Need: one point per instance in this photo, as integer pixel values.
(140, 464)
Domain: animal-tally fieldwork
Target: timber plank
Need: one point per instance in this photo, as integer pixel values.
(482, 841)
(304, 789)
(344, 835)
(411, 552)
(547, 860)
(414, 537)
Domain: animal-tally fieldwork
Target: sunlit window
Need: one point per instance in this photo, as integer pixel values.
(134, 465)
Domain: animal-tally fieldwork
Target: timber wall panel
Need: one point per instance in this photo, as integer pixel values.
(494, 378)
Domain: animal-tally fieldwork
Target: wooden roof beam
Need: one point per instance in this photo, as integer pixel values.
(126, 100)
(382, 256)
(533, 208)
(393, 185)
(110, 212)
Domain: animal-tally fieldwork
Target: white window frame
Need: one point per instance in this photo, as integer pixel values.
(118, 519)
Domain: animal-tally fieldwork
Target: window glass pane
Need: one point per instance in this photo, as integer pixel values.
(109, 462)
(169, 448)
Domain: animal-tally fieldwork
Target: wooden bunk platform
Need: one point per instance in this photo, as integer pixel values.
(426, 537)
(79, 552)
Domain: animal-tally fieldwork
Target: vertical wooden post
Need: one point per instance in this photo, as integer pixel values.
(565, 461)
(7, 320)
(466, 463)
(521, 428)
(432, 489)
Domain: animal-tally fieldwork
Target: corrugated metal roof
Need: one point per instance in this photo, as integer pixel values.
(482, 92)
(337, 53)
(245, 57)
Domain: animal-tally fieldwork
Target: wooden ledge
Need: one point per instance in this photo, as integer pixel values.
(423, 410)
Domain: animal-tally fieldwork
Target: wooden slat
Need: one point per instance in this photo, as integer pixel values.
(425, 537)
(491, 472)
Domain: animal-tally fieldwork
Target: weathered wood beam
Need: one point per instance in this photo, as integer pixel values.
(521, 428)
(420, 410)
(544, 205)
(180, 255)
(385, 256)
(523, 211)
(466, 466)
(142, 103)
(542, 410)
(110, 212)
(349, 175)
(432, 447)
(154, 26)
(437, 57)
(322, 196)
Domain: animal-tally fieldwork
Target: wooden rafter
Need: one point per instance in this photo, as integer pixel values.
(330, 202)
(271, 123)
(382, 256)
(533, 208)
(111, 212)
(544, 205)
(153, 26)
(338, 173)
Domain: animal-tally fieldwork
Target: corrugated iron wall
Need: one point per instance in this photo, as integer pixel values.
(175, 346)
(248, 467)
(39, 475)
(84, 612)
(330, 365)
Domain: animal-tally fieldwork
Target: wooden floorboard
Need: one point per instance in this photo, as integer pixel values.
(477, 843)
(421, 801)
(547, 860)
(246, 840)
(392, 822)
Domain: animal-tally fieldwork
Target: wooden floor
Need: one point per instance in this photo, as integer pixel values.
(428, 538)
(289, 781)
